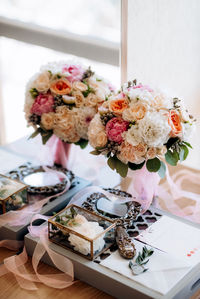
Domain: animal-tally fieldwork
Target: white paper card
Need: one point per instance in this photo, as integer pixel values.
(175, 237)
(165, 270)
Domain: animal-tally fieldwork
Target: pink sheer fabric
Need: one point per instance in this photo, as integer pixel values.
(173, 189)
(16, 263)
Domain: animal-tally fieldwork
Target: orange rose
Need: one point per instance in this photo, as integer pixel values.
(175, 123)
(118, 106)
(60, 86)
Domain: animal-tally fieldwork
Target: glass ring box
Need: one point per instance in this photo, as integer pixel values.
(81, 231)
(13, 194)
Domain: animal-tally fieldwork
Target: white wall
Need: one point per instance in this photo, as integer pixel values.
(164, 50)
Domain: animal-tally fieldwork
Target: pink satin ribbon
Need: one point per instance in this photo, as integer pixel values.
(143, 186)
(54, 151)
(16, 263)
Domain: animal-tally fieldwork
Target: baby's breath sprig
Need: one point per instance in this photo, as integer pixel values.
(67, 219)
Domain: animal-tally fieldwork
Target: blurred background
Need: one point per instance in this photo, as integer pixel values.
(36, 32)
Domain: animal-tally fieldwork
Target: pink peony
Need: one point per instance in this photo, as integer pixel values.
(75, 73)
(114, 129)
(142, 87)
(43, 104)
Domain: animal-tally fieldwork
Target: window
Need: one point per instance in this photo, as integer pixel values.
(35, 32)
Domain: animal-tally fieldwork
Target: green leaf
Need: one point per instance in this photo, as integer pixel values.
(82, 143)
(115, 163)
(183, 152)
(162, 169)
(121, 168)
(150, 252)
(144, 263)
(187, 143)
(134, 166)
(46, 135)
(172, 157)
(35, 133)
(112, 163)
(95, 152)
(153, 165)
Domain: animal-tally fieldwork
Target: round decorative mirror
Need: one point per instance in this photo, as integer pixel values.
(39, 181)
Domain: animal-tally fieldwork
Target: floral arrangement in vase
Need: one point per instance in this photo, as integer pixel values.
(141, 126)
(62, 99)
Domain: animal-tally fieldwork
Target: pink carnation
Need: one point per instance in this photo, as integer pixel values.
(114, 129)
(43, 104)
(111, 87)
(75, 73)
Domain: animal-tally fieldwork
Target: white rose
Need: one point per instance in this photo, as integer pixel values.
(79, 98)
(161, 100)
(79, 86)
(101, 87)
(47, 120)
(91, 100)
(42, 82)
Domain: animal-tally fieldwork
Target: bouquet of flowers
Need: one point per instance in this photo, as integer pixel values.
(62, 99)
(139, 126)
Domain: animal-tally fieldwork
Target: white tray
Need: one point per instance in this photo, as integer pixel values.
(116, 284)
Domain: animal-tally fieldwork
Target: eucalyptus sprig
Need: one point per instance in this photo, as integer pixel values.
(142, 259)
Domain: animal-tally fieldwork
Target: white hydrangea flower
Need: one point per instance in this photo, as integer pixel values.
(154, 129)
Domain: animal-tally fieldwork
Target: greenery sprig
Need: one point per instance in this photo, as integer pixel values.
(34, 92)
(177, 150)
(89, 90)
(46, 134)
(141, 260)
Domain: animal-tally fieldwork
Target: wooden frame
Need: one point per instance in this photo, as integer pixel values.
(123, 47)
